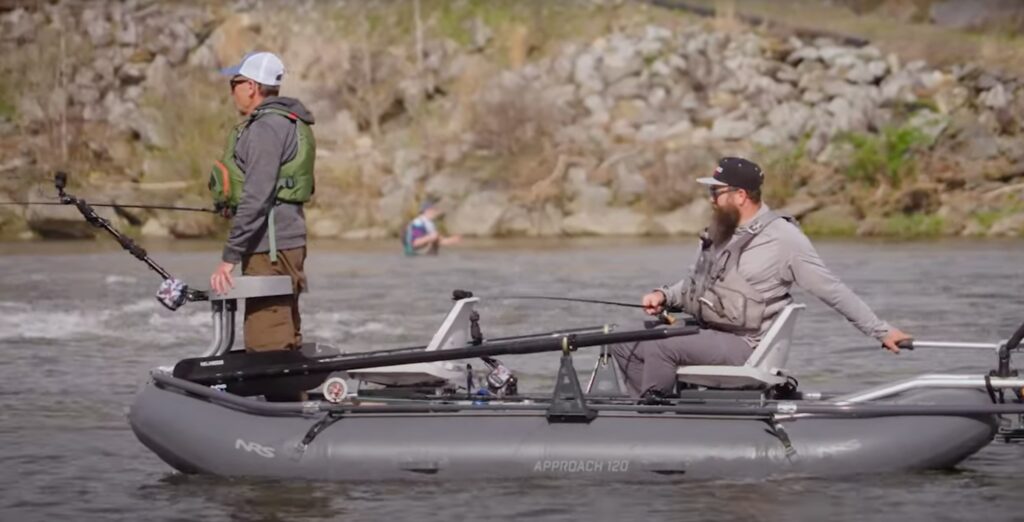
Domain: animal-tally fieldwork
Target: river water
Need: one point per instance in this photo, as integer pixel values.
(79, 329)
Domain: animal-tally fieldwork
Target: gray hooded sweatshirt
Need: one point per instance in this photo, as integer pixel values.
(262, 148)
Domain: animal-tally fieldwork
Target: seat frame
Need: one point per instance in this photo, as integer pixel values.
(765, 366)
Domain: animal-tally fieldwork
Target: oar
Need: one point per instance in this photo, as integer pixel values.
(912, 344)
(233, 362)
(213, 370)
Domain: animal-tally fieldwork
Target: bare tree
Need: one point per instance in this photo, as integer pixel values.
(369, 85)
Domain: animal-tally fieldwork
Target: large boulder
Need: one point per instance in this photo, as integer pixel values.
(186, 225)
(620, 60)
(545, 221)
(978, 14)
(233, 39)
(320, 223)
(57, 222)
(449, 184)
(628, 184)
(800, 206)
(393, 208)
(608, 222)
(688, 220)
(154, 228)
(590, 198)
(974, 141)
(732, 129)
(1012, 225)
(479, 215)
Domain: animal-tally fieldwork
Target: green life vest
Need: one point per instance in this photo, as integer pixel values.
(295, 181)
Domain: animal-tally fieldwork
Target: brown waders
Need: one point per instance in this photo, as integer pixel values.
(273, 323)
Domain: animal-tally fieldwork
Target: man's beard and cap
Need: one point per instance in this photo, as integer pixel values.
(731, 172)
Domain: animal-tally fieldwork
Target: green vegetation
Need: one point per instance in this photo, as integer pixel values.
(913, 225)
(784, 172)
(887, 157)
(830, 227)
(518, 28)
(7, 103)
(987, 218)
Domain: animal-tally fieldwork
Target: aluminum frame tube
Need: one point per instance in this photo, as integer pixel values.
(928, 381)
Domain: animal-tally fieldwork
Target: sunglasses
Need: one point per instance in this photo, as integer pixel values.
(236, 82)
(714, 192)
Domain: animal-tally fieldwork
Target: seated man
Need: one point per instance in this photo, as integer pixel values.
(421, 235)
(749, 258)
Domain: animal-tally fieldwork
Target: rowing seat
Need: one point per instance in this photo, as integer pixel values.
(762, 370)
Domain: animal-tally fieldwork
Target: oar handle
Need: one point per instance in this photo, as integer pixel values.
(910, 344)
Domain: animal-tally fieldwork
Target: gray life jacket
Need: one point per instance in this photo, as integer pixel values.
(717, 295)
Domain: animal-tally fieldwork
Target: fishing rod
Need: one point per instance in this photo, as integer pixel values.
(116, 205)
(665, 315)
(570, 299)
(172, 293)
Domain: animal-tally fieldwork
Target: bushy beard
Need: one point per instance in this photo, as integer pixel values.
(724, 220)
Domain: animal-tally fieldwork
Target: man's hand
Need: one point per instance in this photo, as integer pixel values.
(428, 239)
(221, 280)
(450, 240)
(893, 338)
(653, 302)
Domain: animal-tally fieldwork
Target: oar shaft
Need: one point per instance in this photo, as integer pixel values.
(913, 344)
(956, 345)
(207, 370)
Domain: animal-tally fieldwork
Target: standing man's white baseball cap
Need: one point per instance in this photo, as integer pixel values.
(263, 68)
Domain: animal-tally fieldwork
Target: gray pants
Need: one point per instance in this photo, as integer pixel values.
(652, 364)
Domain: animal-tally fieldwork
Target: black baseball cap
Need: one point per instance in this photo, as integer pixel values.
(736, 172)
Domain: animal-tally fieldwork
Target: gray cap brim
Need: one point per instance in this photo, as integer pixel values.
(711, 181)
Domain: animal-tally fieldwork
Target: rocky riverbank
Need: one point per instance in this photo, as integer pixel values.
(586, 118)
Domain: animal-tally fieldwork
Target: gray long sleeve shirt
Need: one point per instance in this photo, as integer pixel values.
(780, 256)
(262, 148)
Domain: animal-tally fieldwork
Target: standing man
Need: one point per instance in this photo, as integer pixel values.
(749, 259)
(261, 182)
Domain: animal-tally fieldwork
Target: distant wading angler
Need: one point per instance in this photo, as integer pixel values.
(749, 259)
(421, 235)
(261, 183)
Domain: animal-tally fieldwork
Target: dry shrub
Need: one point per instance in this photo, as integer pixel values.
(369, 85)
(546, 182)
(511, 119)
(198, 113)
(39, 72)
(671, 179)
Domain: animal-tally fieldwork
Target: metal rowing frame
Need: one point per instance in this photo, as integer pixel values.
(224, 306)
